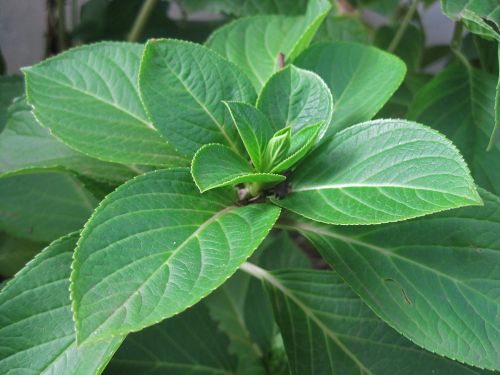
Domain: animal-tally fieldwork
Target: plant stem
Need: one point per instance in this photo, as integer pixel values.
(404, 25)
(141, 20)
(61, 24)
(456, 44)
(260, 273)
(74, 13)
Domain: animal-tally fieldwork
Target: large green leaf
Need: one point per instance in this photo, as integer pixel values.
(380, 171)
(327, 329)
(88, 97)
(44, 206)
(361, 79)
(459, 102)
(10, 87)
(296, 98)
(37, 335)
(25, 146)
(190, 343)
(245, 7)
(343, 27)
(434, 279)
(156, 246)
(183, 85)
(255, 43)
(217, 165)
(14, 253)
(482, 17)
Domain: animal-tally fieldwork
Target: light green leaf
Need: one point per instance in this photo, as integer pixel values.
(10, 87)
(37, 335)
(26, 146)
(156, 246)
(44, 206)
(296, 98)
(361, 79)
(255, 43)
(482, 17)
(327, 329)
(434, 279)
(14, 253)
(88, 97)
(183, 85)
(460, 103)
(380, 171)
(254, 128)
(189, 343)
(217, 165)
(300, 145)
(277, 148)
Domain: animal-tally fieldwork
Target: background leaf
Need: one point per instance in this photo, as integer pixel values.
(10, 87)
(88, 97)
(44, 206)
(183, 85)
(36, 327)
(188, 343)
(14, 253)
(361, 79)
(327, 329)
(380, 171)
(434, 279)
(156, 246)
(266, 36)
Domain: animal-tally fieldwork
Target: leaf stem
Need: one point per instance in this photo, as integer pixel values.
(61, 24)
(404, 25)
(260, 273)
(141, 20)
(456, 44)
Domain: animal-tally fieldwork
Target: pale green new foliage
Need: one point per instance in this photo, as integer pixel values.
(380, 171)
(169, 245)
(71, 94)
(361, 79)
(435, 279)
(37, 334)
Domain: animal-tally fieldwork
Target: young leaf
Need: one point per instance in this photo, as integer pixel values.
(26, 146)
(254, 128)
(255, 43)
(277, 148)
(327, 329)
(441, 269)
(300, 145)
(44, 206)
(14, 253)
(183, 85)
(361, 79)
(296, 98)
(188, 343)
(217, 165)
(380, 171)
(156, 246)
(10, 87)
(459, 102)
(89, 99)
(37, 335)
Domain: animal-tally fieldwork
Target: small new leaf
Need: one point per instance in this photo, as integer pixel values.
(277, 148)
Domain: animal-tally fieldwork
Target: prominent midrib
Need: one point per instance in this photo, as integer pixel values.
(167, 263)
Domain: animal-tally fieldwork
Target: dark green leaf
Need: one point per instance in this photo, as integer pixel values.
(156, 246)
(10, 87)
(15, 252)
(343, 28)
(380, 171)
(37, 335)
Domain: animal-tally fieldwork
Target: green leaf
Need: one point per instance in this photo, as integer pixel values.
(494, 133)
(479, 16)
(188, 343)
(460, 103)
(88, 97)
(361, 79)
(14, 253)
(156, 246)
(441, 269)
(296, 98)
(10, 87)
(183, 85)
(44, 206)
(217, 165)
(26, 146)
(255, 43)
(343, 28)
(300, 145)
(37, 335)
(277, 148)
(254, 128)
(245, 7)
(327, 329)
(380, 171)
